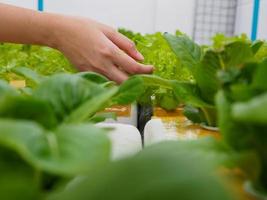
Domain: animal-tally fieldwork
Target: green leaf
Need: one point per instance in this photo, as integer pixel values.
(160, 172)
(28, 108)
(43, 60)
(228, 76)
(101, 117)
(256, 46)
(29, 74)
(236, 53)
(155, 81)
(17, 180)
(70, 150)
(189, 94)
(129, 91)
(65, 93)
(91, 106)
(206, 76)
(241, 92)
(237, 135)
(262, 53)
(259, 78)
(93, 77)
(194, 114)
(168, 101)
(253, 111)
(5, 88)
(188, 52)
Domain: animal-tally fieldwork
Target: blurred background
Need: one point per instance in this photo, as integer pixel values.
(200, 19)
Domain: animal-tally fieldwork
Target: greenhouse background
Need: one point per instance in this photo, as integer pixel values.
(197, 18)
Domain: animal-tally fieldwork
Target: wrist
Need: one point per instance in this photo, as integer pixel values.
(49, 30)
(61, 30)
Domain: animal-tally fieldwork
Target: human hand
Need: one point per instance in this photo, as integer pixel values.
(92, 46)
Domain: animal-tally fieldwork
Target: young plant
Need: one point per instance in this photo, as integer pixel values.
(242, 105)
(162, 171)
(44, 60)
(158, 53)
(204, 64)
(47, 136)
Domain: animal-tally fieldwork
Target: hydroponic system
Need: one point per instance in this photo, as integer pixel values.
(195, 129)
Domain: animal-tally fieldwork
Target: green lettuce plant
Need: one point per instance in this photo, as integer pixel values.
(44, 60)
(157, 52)
(242, 114)
(205, 63)
(162, 171)
(47, 135)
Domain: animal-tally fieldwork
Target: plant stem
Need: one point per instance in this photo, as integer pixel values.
(221, 62)
(38, 179)
(207, 116)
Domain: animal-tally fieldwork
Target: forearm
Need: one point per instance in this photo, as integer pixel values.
(20, 25)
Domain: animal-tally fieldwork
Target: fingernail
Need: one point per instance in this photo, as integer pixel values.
(139, 56)
(152, 68)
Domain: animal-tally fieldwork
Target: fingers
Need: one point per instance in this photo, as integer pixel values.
(129, 65)
(116, 75)
(110, 71)
(124, 44)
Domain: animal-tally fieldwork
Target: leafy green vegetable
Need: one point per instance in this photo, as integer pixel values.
(251, 111)
(66, 93)
(28, 74)
(259, 79)
(32, 130)
(45, 138)
(25, 107)
(220, 40)
(101, 117)
(44, 60)
(241, 104)
(93, 77)
(5, 88)
(157, 52)
(188, 52)
(206, 64)
(86, 110)
(62, 152)
(16, 177)
(164, 171)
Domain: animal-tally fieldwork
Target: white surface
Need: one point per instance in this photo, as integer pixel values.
(175, 14)
(262, 34)
(146, 16)
(244, 18)
(32, 4)
(117, 13)
(126, 140)
(156, 131)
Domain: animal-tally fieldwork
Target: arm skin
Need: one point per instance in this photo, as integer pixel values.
(89, 45)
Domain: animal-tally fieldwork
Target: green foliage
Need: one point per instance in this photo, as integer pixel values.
(47, 137)
(242, 118)
(43, 60)
(69, 150)
(157, 52)
(163, 171)
(185, 49)
(206, 64)
(46, 133)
